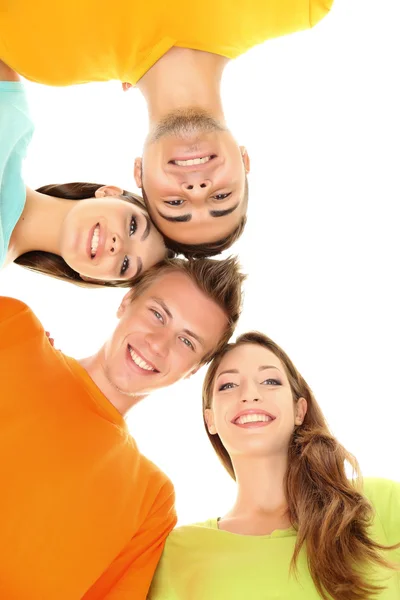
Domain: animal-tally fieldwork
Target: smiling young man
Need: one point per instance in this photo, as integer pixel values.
(83, 514)
(193, 174)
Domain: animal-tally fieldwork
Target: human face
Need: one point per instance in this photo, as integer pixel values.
(162, 335)
(193, 173)
(253, 410)
(106, 238)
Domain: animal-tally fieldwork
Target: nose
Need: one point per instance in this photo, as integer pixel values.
(114, 244)
(196, 185)
(158, 343)
(250, 393)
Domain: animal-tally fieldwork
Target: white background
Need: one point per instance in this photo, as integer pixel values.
(319, 114)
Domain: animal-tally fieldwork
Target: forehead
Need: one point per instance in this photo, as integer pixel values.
(187, 303)
(250, 357)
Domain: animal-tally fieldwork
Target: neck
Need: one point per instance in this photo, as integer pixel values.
(184, 78)
(95, 366)
(32, 231)
(260, 485)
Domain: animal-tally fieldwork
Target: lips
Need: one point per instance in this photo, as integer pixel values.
(194, 163)
(140, 363)
(96, 241)
(253, 418)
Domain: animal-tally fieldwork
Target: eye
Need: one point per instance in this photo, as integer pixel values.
(174, 202)
(125, 265)
(187, 342)
(271, 382)
(158, 315)
(227, 386)
(133, 226)
(222, 196)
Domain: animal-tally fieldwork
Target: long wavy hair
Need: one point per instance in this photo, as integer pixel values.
(328, 511)
(54, 265)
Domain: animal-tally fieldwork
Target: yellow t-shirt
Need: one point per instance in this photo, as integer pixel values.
(201, 562)
(64, 43)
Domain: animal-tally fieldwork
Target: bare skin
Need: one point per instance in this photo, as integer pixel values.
(259, 454)
(183, 82)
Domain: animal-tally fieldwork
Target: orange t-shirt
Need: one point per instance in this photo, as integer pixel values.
(82, 513)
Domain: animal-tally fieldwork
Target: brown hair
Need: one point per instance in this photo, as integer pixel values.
(220, 280)
(330, 514)
(207, 248)
(54, 265)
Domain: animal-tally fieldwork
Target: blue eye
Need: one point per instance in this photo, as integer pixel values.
(174, 202)
(271, 382)
(125, 265)
(187, 343)
(158, 315)
(222, 196)
(227, 386)
(133, 226)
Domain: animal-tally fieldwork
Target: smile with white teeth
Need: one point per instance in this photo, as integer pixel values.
(140, 362)
(253, 419)
(192, 161)
(95, 241)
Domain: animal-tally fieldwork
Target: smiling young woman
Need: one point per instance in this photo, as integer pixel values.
(300, 528)
(107, 239)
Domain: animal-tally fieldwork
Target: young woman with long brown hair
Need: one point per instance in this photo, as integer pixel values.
(106, 238)
(300, 528)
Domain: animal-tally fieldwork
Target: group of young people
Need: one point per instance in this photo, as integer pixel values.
(84, 515)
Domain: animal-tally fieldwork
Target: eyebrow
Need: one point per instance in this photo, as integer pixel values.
(187, 331)
(163, 305)
(223, 213)
(139, 266)
(236, 371)
(188, 217)
(179, 219)
(147, 229)
(195, 336)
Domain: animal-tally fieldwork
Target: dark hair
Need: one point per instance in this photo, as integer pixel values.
(220, 280)
(329, 512)
(53, 265)
(205, 249)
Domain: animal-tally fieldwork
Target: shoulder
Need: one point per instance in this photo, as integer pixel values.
(12, 93)
(17, 322)
(381, 492)
(384, 496)
(190, 536)
(11, 307)
(158, 484)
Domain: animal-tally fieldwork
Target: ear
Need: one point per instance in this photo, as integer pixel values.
(245, 158)
(301, 410)
(209, 419)
(108, 190)
(137, 172)
(126, 301)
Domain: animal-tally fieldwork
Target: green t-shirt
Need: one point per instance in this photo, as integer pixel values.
(201, 562)
(16, 130)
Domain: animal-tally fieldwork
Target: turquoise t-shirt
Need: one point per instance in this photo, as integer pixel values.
(201, 562)
(16, 129)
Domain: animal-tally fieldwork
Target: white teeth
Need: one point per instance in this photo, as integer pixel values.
(95, 240)
(193, 161)
(253, 418)
(139, 361)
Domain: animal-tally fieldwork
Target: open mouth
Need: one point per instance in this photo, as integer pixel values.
(94, 244)
(192, 161)
(141, 362)
(253, 419)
